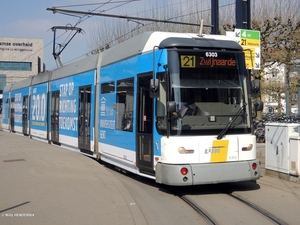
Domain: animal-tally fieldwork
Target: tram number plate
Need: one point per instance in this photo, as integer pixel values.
(188, 61)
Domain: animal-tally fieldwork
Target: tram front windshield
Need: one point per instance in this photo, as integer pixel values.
(212, 85)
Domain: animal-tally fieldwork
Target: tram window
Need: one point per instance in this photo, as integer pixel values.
(108, 87)
(124, 106)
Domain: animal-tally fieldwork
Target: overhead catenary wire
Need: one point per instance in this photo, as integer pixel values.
(89, 4)
(135, 19)
(55, 10)
(74, 12)
(81, 19)
(99, 5)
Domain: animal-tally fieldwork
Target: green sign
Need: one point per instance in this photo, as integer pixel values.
(251, 34)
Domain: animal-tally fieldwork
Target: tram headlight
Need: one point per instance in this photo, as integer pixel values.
(249, 148)
(182, 150)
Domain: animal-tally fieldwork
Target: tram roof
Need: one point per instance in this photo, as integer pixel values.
(7, 88)
(84, 65)
(145, 42)
(42, 78)
(22, 84)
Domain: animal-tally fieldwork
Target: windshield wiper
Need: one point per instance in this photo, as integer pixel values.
(224, 131)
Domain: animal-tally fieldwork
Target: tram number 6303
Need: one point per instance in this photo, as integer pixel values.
(211, 54)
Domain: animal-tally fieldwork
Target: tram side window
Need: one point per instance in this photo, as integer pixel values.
(124, 106)
(108, 87)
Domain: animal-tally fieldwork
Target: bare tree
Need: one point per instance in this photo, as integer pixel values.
(279, 43)
(279, 26)
(113, 31)
(278, 23)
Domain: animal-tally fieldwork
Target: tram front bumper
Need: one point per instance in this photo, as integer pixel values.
(208, 173)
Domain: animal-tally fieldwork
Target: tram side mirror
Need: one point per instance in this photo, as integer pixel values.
(154, 88)
(259, 105)
(182, 112)
(255, 88)
(171, 107)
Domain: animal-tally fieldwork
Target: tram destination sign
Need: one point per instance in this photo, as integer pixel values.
(212, 59)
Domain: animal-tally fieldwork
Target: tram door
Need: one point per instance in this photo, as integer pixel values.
(144, 148)
(55, 117)
(24, 116)
(84, 114)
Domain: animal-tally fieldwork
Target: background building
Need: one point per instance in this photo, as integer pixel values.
(20, 58)
(275, 88)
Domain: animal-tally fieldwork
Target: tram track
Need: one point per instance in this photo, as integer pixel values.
(205, 215)
(199, 210)
(209, 218)
(216, 204)
(258, 209)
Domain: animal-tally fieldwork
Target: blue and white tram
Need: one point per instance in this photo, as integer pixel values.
(39, 97)
(72, 105)
(15, 107)
(134, 106)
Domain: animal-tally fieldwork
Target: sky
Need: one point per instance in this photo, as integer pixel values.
(31, 19)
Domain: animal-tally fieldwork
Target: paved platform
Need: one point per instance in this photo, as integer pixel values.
(45, 184)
